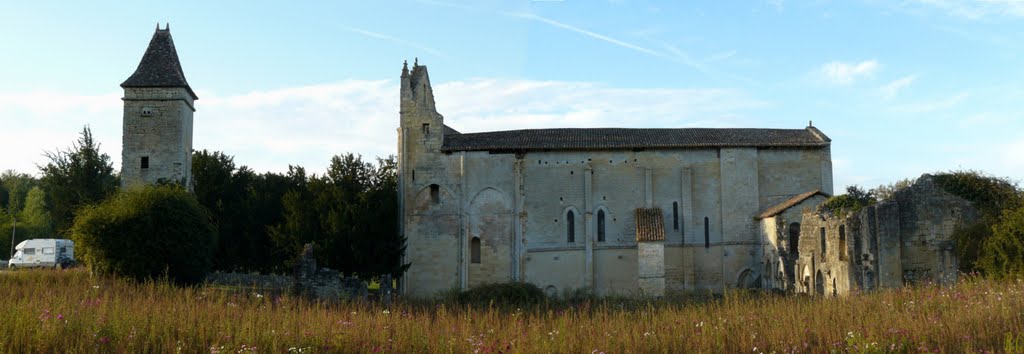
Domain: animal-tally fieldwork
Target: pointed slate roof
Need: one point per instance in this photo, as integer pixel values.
(159, 66)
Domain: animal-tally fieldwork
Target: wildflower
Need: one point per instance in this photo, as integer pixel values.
(387, 312)
(60, 316)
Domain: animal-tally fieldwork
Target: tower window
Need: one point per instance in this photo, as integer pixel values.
(435, 193)
(600, 226)
(426, 128)
(146, 111)
(145, 162)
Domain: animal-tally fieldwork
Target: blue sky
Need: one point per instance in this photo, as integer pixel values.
(902, 87)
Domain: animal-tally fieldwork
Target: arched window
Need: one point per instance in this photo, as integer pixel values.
(794, 238)
(474, 250)
(707, 233)
(600, 226)
(842, 242)
(823, 244)
(570, 226)
(435, 193)
(675, 215)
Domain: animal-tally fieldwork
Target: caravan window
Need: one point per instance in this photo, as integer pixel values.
(47, 250)
(28, 251)
(63, 249)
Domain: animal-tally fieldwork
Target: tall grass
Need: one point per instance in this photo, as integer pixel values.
(69, 311)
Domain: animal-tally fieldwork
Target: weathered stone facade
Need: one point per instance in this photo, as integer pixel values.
(562, 217)
(157, 125)
(904, 240)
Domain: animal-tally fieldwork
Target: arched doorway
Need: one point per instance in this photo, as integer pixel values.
(748, 280)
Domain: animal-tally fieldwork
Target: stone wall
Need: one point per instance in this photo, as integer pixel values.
(157, 125)
(928, 216)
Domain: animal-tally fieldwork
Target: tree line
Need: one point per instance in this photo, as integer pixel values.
(262, 220)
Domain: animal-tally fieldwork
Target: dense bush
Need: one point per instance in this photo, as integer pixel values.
(996, 198)
(851, 202)
(991, 195)
(1002, 254)
(147, 233)
(503, 294)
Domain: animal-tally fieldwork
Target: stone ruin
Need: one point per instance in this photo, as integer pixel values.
(324, 283)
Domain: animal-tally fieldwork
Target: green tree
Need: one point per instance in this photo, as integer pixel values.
(146, 233)
(14, 189)
(78, 176)
(242, 205)
(35, 216)
(300, 222)
(351, 215)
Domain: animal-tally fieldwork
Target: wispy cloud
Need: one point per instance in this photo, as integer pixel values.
(306, 125)
(975, 10)
(591, 34)
(720, 56)
(667, 51)
(932, 105)
(845, 73)
(890, 90)
(396, 40)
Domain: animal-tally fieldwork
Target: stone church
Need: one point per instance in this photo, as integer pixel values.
(612, 210)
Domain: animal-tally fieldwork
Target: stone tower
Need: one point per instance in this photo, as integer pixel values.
(158, 106)
(425, 186)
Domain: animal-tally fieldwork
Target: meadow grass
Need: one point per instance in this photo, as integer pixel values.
(71, 311)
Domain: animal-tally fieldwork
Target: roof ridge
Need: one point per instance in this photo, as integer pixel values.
(788, 203)
(630, 138)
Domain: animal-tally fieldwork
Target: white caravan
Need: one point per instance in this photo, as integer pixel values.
(45, 252)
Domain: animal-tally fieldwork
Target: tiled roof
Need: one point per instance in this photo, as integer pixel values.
(789, 203)
(650, 225)
(159, 66)
(629, 138)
